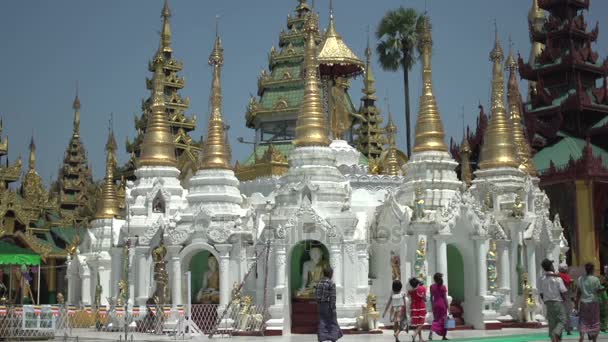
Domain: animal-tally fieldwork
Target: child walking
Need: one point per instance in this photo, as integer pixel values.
(397, 305)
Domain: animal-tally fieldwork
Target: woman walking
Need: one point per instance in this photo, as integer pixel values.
(439, 300)
(397, 305)
(325, 293)
(588, 304)
(603, 297)
(417, 307)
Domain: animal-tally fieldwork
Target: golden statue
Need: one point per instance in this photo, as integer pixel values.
(368, 320)
(340, 114)
(60, 298)
(419, 266)
(122, 292)
(312, 273)
(418, 205)
(518, 208)
(161, 277)
(396, 265)
(529, 301)
(98, 292)
(488, 201)
(210, 287)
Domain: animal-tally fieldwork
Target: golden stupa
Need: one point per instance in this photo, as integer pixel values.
(158, 148)
(311, 125)
(498, 149)
(107, 206)
(216, 152)
(429, 128)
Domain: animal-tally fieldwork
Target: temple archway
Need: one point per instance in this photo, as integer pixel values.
(300, 254)
(455, 273)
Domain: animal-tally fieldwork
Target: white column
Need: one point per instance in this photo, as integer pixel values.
(514, 275)
(280, 260)
(481, 245)
(142, 286)
(431, 255)
(73, 282)
(175, 276)
(225, 286)
(363, 266)
(104, 280)
(406, 261)
(442, 257)
(85, 288)
(335, 259)
(116, 270)
(531, 263)
(504, 266)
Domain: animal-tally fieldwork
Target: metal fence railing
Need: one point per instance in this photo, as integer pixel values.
(18, 322)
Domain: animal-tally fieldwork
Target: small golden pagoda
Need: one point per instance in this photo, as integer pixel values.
(108, 203)
(466, 174)
(498, 149)
(391, 165)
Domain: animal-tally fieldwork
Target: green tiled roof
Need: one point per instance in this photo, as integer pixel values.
(561, 152)
(284, 148)
(293, 96)
(294, 70)
(68, 234)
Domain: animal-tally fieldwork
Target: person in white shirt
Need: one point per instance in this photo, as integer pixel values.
(552, 293)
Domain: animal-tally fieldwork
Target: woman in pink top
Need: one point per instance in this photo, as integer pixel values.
(418, 307)
(439, 299)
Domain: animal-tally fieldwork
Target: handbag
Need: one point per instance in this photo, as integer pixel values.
(450, 323)
(574, 320)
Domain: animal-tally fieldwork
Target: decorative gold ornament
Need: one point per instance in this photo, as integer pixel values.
(311, 125)
(158, 148)
(518, 210)
(391, 165)
(466, 174)
(498, 149)
(429, 128)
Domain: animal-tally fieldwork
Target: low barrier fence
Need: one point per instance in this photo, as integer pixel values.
(132, 323)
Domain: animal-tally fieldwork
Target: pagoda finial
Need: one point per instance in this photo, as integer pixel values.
(311, 126)
(535, 13)
(165, 36)
(466, 174)
(498, 149)
(302, 7)
(158, 148)
(32, 161)
(76, 107)
(429, 128)
(523, 149)
(107, 207)
(369, 81)
(391, 163)
(511, 63)
(216, 151)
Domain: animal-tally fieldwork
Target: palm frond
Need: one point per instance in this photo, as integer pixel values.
(397, 35)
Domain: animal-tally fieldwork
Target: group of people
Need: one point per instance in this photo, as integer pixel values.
(590, 305)
(417, 294)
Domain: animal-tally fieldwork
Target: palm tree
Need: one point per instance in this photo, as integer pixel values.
(397, 35)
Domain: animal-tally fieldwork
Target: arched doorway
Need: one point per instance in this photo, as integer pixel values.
(455, 273)
(307, 260)
(205, 278)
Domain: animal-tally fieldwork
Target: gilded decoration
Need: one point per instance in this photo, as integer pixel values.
(273, 163)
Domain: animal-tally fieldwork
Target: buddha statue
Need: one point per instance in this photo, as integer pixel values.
(312, 273)
(210, 287)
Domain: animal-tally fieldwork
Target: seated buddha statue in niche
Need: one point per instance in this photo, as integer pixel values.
(210, 289)
(312, 273)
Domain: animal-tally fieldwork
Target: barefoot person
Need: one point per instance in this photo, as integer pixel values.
(553, 292)
(418, 307)
(397, 305)
(325, 294)
(439, 299)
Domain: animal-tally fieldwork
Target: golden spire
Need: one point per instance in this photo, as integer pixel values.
(429, 128)
(32, 161)
(311, 126)
(165, 35)
(524, 154)
(216, 152)
(158, 148)
(391, 163)
(368, 81)
(535, 13)
(498, 149)
(76, 107)
(107, 207)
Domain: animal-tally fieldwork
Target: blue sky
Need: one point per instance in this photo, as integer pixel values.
(48, 45)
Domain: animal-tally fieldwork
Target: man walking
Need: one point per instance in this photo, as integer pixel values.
(552, 293)
(329, 330)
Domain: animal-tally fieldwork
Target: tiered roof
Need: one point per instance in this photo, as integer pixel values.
(8, 173)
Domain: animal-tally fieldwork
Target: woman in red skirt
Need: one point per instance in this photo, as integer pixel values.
(417, 307)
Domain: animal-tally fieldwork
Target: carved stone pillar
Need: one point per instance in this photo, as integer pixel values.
(280, 259)
(481, 251)
(337, 263)
(224, 254)
(175, 274)
(85, 288)
(531, 262)
(116, 275)
(504, 266)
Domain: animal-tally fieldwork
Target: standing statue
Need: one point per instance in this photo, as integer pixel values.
(492, 272)
(161, 277)
(210, 289)
(529, 305)
(418, 205)
(396, 265)
(419, 267)
(312, 273)
(340, 114)
(98, 292)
